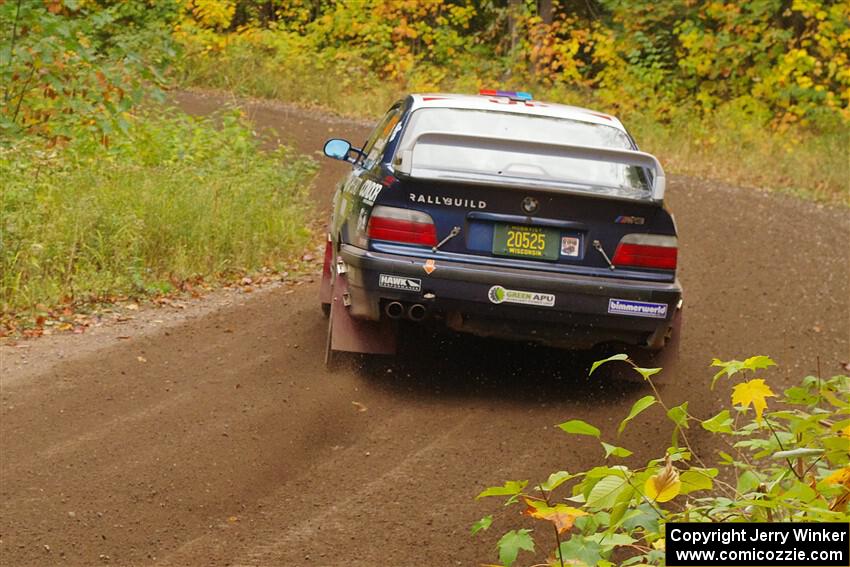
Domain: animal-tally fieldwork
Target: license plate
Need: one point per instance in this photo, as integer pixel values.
(520, 241)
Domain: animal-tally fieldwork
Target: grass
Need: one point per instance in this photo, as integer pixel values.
(733, 147)
(176, 198)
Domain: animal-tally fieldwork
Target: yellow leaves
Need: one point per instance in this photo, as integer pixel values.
(403, 30)
(841, 476)
(561, 515)
(808, 8)
(804, 81)
(214, 13)
(753, 392)
(664, 485)
(716, 10)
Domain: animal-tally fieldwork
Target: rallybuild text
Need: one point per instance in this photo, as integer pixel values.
(762, 544)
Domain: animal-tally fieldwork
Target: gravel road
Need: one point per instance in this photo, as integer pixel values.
(217, 437)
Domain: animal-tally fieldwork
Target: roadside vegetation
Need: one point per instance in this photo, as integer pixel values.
(755, 94)
(108, 193)
(783, 460)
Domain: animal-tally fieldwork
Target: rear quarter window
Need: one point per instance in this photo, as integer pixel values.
(377, 142)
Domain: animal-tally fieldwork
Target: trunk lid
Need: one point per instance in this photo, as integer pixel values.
(572, 232)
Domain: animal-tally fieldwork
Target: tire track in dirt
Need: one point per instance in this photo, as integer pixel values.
(275, 545)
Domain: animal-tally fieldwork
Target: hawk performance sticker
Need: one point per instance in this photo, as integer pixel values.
(400, 282)
(637, 308)
(498, 294)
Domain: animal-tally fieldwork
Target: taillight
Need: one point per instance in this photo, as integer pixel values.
(402, 225)
(647, 251)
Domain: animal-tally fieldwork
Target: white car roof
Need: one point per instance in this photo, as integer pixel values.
(504, 104)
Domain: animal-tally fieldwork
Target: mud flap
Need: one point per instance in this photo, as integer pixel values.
(325, 287)
(353, 335)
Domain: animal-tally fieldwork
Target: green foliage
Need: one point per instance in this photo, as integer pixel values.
(579, 427)
(555, 480)
(482, 524)
(615, 450)
(638, 407)
(72, 68)
(174, 198)
(598, 363)
(731, 367)
(789, 463)
(512, 543)
(510, 488)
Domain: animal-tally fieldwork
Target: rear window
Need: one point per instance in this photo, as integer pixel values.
(624, 180)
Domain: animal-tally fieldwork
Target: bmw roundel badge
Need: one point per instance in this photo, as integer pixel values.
(529, 205)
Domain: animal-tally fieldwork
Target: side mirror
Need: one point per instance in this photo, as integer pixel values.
(338, 149)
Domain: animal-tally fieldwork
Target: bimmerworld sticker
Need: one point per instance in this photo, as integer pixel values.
(400, 282)
(498, 294)
(637, 308)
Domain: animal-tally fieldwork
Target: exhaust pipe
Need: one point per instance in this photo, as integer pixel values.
(416, 312)
(394, 310)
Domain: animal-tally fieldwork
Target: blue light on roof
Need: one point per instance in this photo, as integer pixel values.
(513, 95)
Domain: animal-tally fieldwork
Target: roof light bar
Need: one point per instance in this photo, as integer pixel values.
(513, 95)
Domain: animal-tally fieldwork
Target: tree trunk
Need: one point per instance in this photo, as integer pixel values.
(513, 12)
(546, 10)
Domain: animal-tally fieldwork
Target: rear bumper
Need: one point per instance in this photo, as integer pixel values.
(567, 310)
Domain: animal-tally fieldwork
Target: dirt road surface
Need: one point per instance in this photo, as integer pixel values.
(218, 438)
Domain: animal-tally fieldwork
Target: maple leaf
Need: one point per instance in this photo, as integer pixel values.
(753, 392)
(561, 515)
(664, 485)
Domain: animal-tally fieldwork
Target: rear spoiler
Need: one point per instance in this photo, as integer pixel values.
(405, 162)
